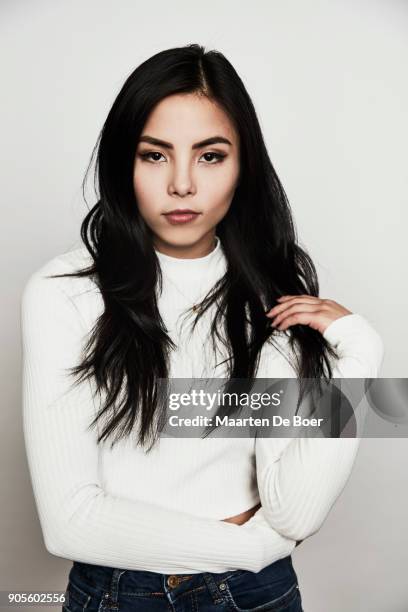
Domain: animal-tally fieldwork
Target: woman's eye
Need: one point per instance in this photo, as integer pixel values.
(154, 156)
(147, 155)
(218, 156)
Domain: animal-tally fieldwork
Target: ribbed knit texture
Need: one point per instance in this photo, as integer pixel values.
(161, 511)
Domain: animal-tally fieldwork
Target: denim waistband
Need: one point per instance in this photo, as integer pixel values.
(115, 580)
(105, 578)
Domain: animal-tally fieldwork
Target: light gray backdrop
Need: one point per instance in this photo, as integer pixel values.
(328, 79)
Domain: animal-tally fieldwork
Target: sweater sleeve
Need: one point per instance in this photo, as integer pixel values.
(299, 479)
(79, 519)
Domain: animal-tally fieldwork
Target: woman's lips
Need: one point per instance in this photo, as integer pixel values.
(177, 218)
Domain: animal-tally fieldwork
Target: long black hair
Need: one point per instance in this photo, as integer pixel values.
(128, 350)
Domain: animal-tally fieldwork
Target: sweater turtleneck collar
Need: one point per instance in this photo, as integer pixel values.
(184, 267)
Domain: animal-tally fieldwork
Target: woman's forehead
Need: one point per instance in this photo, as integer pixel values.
(187, 117)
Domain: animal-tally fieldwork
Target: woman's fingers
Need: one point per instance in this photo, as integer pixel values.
(294, 309)
(310, 310)
(293, 300)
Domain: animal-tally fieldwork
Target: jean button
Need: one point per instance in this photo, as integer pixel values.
(172, 581)
(223, 586)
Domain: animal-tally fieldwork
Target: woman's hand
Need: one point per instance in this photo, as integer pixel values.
(240, 519)
(316, 312)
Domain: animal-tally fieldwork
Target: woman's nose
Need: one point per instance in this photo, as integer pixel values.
(182, 180)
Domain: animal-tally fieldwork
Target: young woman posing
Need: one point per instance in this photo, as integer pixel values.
(186, 524)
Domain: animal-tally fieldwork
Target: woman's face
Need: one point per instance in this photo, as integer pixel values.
(174, 169)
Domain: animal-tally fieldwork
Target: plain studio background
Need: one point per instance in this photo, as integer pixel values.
(328, 80)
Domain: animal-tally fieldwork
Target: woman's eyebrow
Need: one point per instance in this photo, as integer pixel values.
(197, 145)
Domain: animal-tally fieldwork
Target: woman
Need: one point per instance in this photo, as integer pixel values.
(187, 524)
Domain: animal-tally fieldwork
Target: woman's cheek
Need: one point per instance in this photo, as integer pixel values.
(148, 193)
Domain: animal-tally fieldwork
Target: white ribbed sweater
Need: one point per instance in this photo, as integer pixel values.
(162, 511)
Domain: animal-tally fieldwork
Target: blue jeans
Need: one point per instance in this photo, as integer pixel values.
(96, 588)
